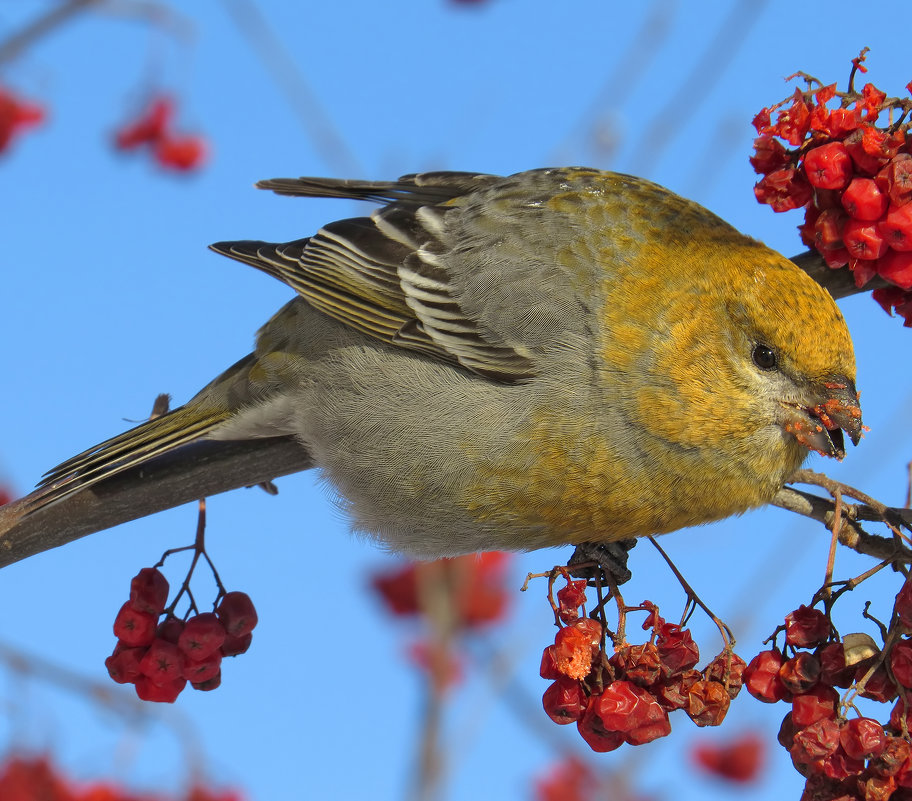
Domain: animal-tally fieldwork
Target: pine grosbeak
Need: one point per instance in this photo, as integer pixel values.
(557, 356)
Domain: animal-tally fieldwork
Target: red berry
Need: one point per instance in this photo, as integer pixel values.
(234, 646)
(575, 646)
(863, 240)
(896, 179)
(800, 673)
(134, 628)
(816, 704)
(727, 669)
(677, 650)
(618, 704)
(833, 668)
(170, 629)
(210, 684)
(863, 738)
(903, 604)
(673, 693)
(149, 591)
(162, 662)
(202, 635)
(166, 693)
(591, 729)
(707, 703)
(895, 753)
(863, 200)
(901, 662)
(548, 669)
(564, 701)
(896, 227)
(738, 760)
(149, 128)
(181, 152)
(202, 670)
(123, 664)
(769, 155)
(815, 742)
(761, 677)
(638, 663)
(570, 598)
(783, 189)
(879, 687)
(237, 613)
(828, 166)
(828, 229)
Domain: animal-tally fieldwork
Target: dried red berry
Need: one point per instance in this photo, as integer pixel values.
(783, 189)
(166, 693)
(806, 627)
(728, 669)
(677, 650)
(769, 155)
(901, 662)
(903, 604)
(816, 704)
(672, 693)
(564, 701)
(570, 598)
(761, 677)
(879, 687)
(707, 703)
(863, 738)
(638, 663)
(593, 731)
(895, 753)
(815, 742)
(833, 668)
(863, 240)
(134, 628)
(896, 227)
(800, 673)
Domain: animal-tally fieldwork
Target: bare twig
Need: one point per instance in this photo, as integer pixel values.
(12, 47)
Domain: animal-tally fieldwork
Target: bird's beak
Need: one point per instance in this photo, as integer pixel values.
(819, 427)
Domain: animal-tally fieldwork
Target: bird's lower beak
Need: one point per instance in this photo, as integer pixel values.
(820, 427)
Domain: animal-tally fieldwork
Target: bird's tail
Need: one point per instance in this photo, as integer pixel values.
(129, 449)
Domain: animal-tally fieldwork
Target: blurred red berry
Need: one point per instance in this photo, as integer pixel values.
(568, 780)
(738, 760)
(149, 128)
(16, 116)
(181, 152)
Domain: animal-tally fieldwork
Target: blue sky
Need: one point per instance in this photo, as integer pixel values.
(110, 297)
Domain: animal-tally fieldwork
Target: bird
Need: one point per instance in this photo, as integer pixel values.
(554, 357)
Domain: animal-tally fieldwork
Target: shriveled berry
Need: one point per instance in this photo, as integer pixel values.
(800, 673)
(727, 669)
(761, 677)
(828, 166)
(163, 661)
(548, 669)
(617, 704)
(895, 179)
(672, 693)
(816, 741)
(677, 650)
(828, 229)
(570, 598)
(806, 627)
(783, 189)
(149, 591)
(651, 722)
(901, 662)
(134, 628)
(638, 663)
(816, 704)
(903, 604)
(707, 703)
(237, 613)
(895, 753)
(787, 732)
(202, 635)
(593, 731)
(833, 668)
(863, 738)
(879, 686)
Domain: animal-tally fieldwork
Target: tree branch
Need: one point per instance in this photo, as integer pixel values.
(197, 471)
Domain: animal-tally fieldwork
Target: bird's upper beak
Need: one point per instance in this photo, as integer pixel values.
(819, 426)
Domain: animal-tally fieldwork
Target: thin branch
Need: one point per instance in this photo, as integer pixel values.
(12, 47)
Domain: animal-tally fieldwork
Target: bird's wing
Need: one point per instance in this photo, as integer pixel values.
(466, 268)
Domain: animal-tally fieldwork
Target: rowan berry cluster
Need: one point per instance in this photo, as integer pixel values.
(841, 756)
(160, 653)
(851, 172)
(627, 697)
(153, 131)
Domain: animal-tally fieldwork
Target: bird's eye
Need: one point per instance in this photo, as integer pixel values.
(764, 357)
